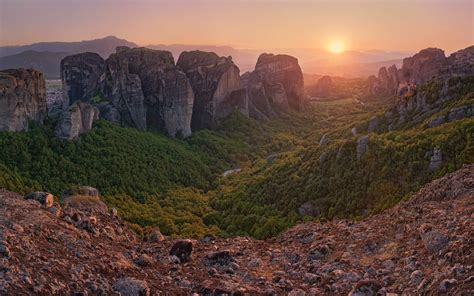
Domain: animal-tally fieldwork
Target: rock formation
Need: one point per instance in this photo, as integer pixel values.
(145, 89)
(76, 120)
(422, 246)
(218, 89)
(81, 75)
(325, 86)
(22, 99)
(424, 66)
(149, 91)
(276, 84)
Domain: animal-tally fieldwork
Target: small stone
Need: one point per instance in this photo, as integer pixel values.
(434, 241)
(254, 263)
(5, 251)
(144, 260)
(131, 287)
(446, 284)
(296, 292)
(113, 212)
(155, 236)
(416, 277)
(311, 278)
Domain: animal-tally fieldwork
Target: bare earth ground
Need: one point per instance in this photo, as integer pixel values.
(424, 246)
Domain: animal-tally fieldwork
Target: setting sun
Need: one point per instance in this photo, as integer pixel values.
(336, 47)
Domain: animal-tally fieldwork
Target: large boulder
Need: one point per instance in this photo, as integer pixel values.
(22, 99)
(277, 81)
(81, 75)
(218, 89)
(75, 121)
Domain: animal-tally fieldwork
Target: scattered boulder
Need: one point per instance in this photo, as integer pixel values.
(434, 241)
(22, 99)
(324, 140)
(231, 172)
(308, 209)
(77, 120)
(365, 288)
(183, 249)
(44, 198)
(219, 258)
(155, 236)
(362, 146)
(373, 124)
(131, 287)
(436, 159)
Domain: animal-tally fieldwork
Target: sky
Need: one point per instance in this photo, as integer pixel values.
(254, 24)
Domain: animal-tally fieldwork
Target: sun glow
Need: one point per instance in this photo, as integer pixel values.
(336, 47)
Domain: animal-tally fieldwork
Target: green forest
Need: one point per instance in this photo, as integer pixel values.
(177, 184)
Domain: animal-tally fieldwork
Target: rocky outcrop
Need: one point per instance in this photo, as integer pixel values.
(149, 91)
(362, 146)
(324, 87)
(143, 88)
(427, 65)
(386, 83)
(76, 120)
(218, 89)
(81, 75)
(275, 85)
(22, 99)
(97, 254)
(423, 66)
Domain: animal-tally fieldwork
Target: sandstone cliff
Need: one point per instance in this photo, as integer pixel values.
(140, 87)
(81, 75)
(276, 84)
(427, 65)
(149, 91)
(22, 99)
(218, 89)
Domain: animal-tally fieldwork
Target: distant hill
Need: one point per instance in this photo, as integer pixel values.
(103, 46)
(314, 61)
(47, 56)
(45, 61)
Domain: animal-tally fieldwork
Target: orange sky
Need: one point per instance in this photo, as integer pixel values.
(360, 24)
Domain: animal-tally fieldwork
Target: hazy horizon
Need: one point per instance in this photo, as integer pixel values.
(362, 25)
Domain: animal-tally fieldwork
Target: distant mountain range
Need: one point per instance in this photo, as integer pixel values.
(46, 56)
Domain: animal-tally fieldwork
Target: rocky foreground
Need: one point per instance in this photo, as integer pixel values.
(423, 246)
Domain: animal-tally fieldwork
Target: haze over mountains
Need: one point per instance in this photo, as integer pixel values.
(46, 56)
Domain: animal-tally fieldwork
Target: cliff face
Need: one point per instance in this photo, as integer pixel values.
(81, 75)
(275, 84)
(217, 87)
(420, 247)
(22, 99)
(149, 91)
(140, 87)
(145, 89)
